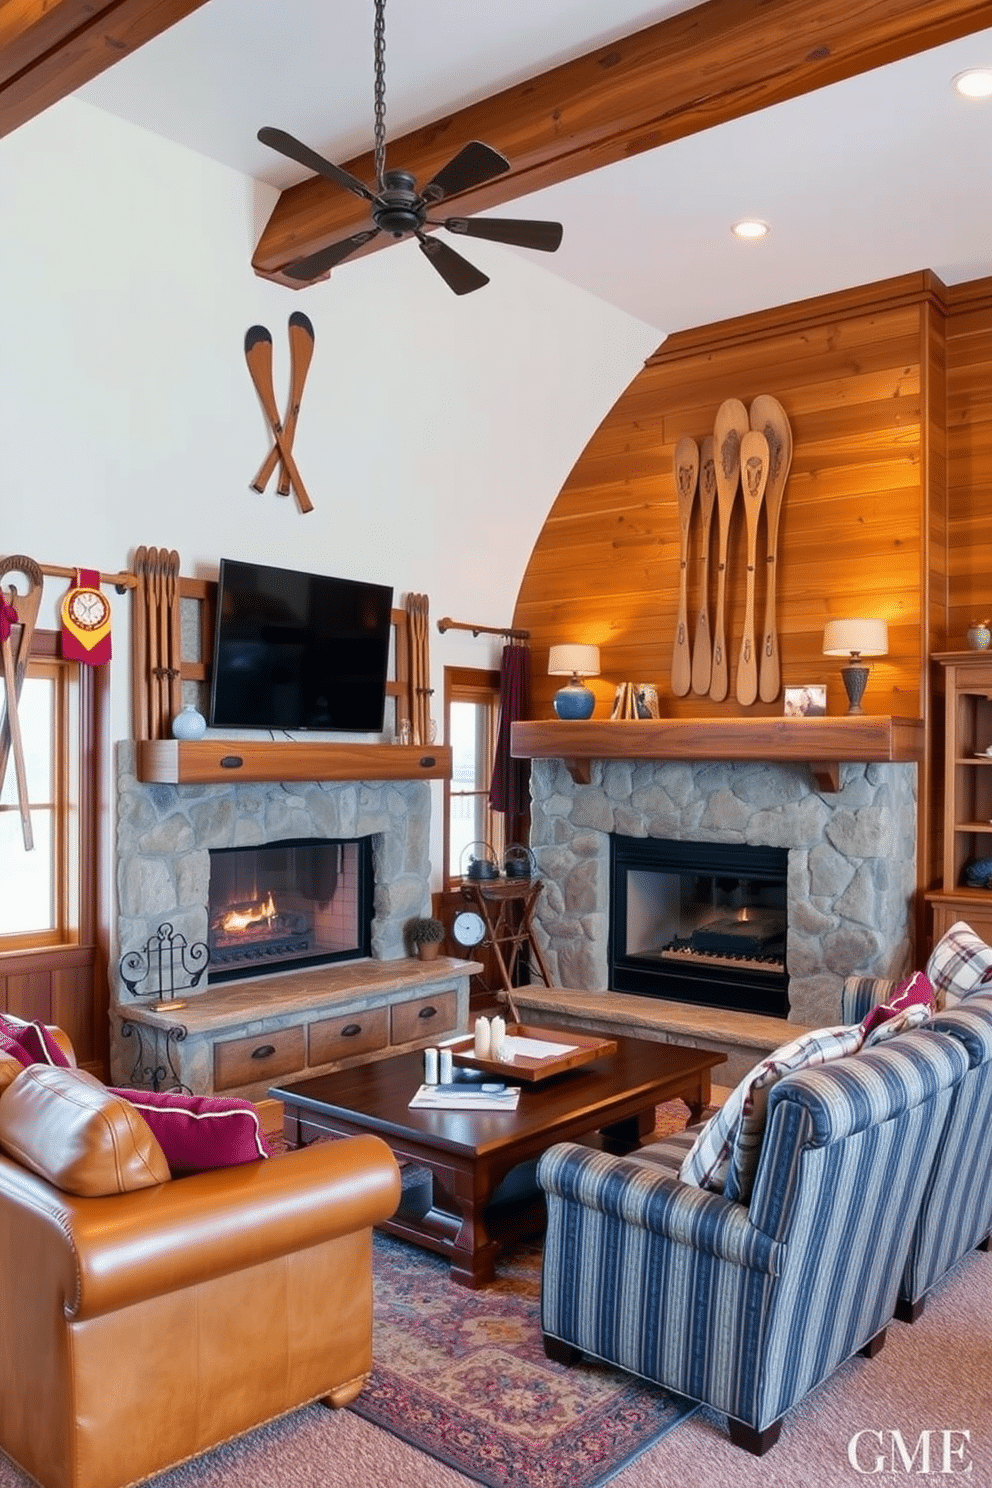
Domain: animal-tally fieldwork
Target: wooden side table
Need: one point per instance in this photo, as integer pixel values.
(507, 908)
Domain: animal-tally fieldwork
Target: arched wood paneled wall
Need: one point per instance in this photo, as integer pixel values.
(861, 378)
(888, 389)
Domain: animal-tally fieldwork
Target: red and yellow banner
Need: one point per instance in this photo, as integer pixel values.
(85, 616)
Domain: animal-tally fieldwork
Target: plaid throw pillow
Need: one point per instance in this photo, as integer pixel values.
(724, 1157)
(959, 964)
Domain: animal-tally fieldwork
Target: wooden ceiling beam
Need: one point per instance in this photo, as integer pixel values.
(717, 62)
(49, 48)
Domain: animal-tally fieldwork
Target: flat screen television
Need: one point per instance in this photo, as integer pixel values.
(298, 650)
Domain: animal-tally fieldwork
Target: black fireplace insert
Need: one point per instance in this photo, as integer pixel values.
(700, 922)
(299, 902)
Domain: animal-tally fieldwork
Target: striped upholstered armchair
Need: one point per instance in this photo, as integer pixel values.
(955, 1213)
(748, 1306)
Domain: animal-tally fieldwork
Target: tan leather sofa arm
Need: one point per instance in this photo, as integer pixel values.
(125, 1248)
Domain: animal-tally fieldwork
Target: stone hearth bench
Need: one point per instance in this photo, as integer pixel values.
(743, 1037)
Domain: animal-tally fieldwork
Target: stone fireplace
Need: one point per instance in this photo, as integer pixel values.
(167, 834)
(850, 860)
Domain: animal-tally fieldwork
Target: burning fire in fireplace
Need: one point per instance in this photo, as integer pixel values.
(235, 920)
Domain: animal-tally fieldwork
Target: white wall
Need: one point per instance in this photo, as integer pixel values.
(435, 431)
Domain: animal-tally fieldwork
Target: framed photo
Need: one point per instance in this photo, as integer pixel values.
(805, 702)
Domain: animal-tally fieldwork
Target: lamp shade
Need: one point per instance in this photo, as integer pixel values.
(855, 638)
(578, 661)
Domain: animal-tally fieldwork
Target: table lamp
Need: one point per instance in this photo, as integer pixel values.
(855, 638)
(574, 700)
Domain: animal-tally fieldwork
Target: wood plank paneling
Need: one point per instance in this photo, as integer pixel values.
(851, 372)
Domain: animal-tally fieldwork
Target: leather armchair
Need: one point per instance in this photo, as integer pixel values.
(142, 1328)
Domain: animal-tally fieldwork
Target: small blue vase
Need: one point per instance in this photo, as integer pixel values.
(189, 724)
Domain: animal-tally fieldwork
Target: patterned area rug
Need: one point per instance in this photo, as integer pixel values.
(463, 1376)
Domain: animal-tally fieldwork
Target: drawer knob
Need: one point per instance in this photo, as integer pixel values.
(263, 1051)
(350, 1029)
(231, 761)
(427, 1012)
(428, 761)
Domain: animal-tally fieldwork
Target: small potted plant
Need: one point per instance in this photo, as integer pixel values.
(425, 937)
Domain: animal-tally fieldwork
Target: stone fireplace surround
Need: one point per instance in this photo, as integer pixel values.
(165, 833)
(851, 865)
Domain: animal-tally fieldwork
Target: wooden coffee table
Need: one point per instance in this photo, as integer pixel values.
(469, 1154)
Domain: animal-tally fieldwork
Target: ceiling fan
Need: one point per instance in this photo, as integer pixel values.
(399, 209)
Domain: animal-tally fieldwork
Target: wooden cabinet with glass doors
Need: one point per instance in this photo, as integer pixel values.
(967, 813)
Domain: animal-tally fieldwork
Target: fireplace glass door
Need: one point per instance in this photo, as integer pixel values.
(700, 922)
(288, 904)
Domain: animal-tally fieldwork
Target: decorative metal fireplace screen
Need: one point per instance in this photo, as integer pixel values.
(700, 922)
(289, 904)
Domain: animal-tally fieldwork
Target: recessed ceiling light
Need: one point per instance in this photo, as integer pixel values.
(974, 84)
(750, 229)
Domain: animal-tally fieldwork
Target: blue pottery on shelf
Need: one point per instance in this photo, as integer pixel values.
(574, 701)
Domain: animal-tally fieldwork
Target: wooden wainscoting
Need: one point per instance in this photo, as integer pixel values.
(65, 985)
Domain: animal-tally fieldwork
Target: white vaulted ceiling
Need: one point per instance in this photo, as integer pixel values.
(879, 175)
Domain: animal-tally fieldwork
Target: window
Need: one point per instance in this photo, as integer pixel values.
(41, 904)
(471, 706)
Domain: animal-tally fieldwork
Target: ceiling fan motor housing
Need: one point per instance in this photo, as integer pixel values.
(398, 209)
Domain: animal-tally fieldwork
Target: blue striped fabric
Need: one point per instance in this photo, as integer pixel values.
(956, 1210)
(748, 1308)
(861, 993)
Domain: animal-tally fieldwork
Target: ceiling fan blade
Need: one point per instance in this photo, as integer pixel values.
(316, 264)
(278, 139)
(517, 231)
(472, 165)
(457, 273)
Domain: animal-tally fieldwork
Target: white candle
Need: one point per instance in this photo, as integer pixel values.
(497, 1037)
(482, 1038)
(447, 1070)
(430, 1066)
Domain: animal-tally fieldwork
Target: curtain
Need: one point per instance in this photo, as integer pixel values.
(509, 789)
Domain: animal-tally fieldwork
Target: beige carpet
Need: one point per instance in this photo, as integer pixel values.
(931, 1376)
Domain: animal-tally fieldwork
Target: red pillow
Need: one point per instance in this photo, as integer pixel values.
(201, 1131)
(36, 1040)
(14, 1048)
(916, 990)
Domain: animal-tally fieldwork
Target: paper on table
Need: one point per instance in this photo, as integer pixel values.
(464, 1098)
(534, 1048)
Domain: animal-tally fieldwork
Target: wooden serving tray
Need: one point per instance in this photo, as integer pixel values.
(584, 1049)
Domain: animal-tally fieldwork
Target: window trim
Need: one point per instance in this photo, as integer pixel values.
(465, 685)
(77, 763)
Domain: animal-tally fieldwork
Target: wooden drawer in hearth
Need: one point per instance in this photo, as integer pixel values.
(427, 1018)
(264, 1056)
(332, 1039)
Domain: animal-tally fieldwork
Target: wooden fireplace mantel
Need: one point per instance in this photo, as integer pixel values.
(821, 743)
(213, 761)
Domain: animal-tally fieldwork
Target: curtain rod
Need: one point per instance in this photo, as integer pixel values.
(120, 581)
(515, 635)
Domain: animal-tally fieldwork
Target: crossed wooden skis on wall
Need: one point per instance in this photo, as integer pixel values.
(258, 354)
(750, 450)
